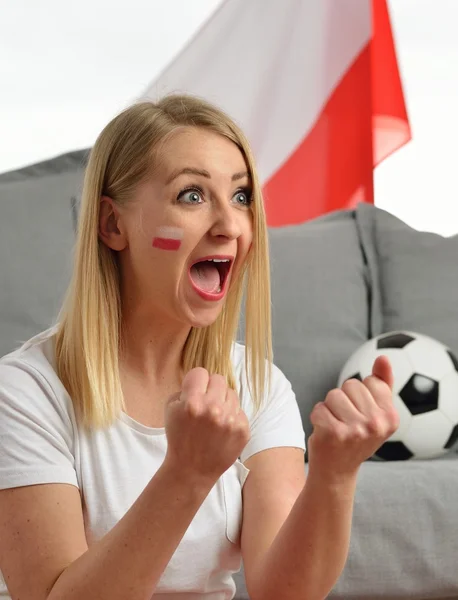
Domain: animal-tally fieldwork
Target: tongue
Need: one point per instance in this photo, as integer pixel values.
(206, 276)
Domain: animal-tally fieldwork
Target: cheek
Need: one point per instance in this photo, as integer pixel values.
(167, 238)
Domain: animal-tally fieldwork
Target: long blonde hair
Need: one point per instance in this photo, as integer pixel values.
(88, 334)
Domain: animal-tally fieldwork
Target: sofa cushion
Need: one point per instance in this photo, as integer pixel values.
(36, 240)
(365, 224)
(319, 303)
(403, 542)
(418, 276)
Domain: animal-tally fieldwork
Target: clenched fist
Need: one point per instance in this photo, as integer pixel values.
(353, 422)
(205, 427)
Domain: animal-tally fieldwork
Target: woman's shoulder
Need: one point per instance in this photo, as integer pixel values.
(28, 376)
(36, 354)
(277, 422)
(239, 355)
(275, 380)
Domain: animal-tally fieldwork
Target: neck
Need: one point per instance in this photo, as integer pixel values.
(152, 349)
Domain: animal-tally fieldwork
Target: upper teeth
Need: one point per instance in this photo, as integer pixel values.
(218, 260)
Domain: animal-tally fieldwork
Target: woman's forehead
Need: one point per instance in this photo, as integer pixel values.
(203, 150)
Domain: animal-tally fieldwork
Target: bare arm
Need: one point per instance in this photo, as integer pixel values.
(309, 550)
(308, 555)
(42, 534)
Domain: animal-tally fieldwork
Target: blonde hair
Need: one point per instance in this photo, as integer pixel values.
(88, 334)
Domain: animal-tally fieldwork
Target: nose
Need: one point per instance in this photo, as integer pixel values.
(226, 222)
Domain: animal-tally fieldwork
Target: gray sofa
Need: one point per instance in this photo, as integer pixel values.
(337, 281)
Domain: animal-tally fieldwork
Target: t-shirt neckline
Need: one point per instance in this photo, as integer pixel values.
(133, 424)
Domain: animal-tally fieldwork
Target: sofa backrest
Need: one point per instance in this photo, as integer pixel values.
(415, 275)
(37, 233)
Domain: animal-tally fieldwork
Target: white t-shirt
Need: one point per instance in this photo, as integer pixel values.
(41, 442)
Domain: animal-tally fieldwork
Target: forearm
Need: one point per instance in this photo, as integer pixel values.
(129, 560)
(309, 553)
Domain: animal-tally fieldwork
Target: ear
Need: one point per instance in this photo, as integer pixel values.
(111, 230)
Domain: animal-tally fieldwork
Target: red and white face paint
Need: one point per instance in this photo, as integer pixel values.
(168, 238)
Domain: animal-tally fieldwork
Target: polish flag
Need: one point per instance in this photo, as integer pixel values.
(315, 86)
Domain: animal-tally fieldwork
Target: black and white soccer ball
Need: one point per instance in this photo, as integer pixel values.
(425, 392)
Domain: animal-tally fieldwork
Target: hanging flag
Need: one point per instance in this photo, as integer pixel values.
(316, 88)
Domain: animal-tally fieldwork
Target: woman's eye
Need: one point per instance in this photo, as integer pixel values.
(190, 196)
(243, 197)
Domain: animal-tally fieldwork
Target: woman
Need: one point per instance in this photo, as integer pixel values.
(144, 451)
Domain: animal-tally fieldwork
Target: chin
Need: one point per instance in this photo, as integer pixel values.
(204, 319)
(202, 323)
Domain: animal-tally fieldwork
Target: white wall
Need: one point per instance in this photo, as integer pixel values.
(60, 82)
(419, 183)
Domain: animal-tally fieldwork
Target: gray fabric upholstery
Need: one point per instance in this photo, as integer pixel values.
(365, 224)
(36, 241)
(70, 162)
(405, 532)
(319, 303)
(418, 276)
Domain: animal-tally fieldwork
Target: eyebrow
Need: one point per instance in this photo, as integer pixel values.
(203, 173)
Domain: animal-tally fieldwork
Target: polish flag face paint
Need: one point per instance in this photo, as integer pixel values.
(168, 238)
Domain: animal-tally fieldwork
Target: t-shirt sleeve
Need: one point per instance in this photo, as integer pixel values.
(36, 431)
(278, 422)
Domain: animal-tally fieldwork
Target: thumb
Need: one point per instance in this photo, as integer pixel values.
(382, 369)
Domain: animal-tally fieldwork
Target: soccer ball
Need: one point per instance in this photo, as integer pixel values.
(425, 392)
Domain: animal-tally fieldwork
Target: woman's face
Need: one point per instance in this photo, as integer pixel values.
(187, 230)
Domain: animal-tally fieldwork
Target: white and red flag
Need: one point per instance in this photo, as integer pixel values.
(315, 86)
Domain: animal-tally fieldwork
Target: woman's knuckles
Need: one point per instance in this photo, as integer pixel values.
(319, 414)
(341, 435)
(336, 395)
(345, 445)
(218, 415)
(214, 412)
(351, 386)
(375, 427)
(393, 419)
(194, 407)
(359, 433)
(317, 408)
(378, 388)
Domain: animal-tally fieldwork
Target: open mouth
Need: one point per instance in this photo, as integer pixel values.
(209, 275)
